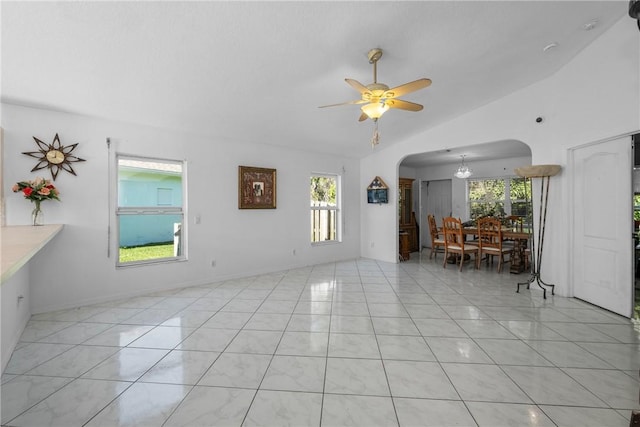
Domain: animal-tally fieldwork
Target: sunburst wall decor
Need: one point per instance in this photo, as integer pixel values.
(54, 156)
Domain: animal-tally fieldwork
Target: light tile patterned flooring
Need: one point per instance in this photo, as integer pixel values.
(349, 343)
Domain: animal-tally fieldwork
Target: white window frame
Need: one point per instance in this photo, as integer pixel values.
(506, 202)
(151, 210)
(337, 209)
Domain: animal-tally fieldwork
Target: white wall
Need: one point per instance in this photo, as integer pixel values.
(75, 270)
(595, 96)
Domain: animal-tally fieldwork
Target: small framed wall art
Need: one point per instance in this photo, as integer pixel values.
(256, 188)
(377, 191)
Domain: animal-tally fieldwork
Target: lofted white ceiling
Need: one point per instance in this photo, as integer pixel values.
(257, 71)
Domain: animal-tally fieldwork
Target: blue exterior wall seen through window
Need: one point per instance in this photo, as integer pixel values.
(148, 188)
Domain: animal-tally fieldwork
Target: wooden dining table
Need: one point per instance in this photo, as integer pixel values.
(520, 239)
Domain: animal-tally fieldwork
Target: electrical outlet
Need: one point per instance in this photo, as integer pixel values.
(213, 263)
(373, 244)
(294, 251)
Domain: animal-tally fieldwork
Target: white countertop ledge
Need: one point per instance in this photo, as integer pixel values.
(20, 243)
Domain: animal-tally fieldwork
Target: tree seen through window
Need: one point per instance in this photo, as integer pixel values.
(499, 197)
(324, 205)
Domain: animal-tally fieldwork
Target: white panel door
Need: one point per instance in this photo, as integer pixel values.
(435, 199)
(602, 226)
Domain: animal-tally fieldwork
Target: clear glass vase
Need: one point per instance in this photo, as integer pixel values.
(37, 216)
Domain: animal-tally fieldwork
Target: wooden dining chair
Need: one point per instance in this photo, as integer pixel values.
(437, 236)
(514, 222)
(490, 241)
(454, 243)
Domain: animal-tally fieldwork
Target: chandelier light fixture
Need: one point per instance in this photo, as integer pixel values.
(463, 170)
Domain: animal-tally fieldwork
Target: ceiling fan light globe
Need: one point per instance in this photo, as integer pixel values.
(374, 110)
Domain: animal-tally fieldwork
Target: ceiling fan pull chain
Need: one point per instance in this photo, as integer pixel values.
(375, 139)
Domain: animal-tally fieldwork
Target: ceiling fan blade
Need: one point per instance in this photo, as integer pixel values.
(398, 91)
(363, 117)
(357, 86)
(359, 101)
(403, 105)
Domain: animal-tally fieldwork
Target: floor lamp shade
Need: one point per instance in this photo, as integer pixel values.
(537, 171)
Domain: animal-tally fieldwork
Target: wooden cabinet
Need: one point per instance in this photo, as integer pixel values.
(407, 216)
(405, 200)
(405, 250)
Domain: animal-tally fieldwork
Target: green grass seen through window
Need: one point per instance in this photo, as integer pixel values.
(145, 253)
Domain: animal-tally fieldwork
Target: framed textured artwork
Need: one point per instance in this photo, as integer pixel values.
(256, 188)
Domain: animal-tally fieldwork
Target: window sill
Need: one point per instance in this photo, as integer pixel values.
(150, 262)
(326, 243)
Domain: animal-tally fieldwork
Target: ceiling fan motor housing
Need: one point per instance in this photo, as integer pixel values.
(376, 91)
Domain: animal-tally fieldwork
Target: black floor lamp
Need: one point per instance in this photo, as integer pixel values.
(544, 172)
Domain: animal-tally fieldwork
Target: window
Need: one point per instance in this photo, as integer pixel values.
(498, 197)
(325, 208)
(150, 210)
(520, 203)
(486, 197)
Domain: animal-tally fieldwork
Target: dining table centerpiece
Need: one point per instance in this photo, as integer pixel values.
(37, 191)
